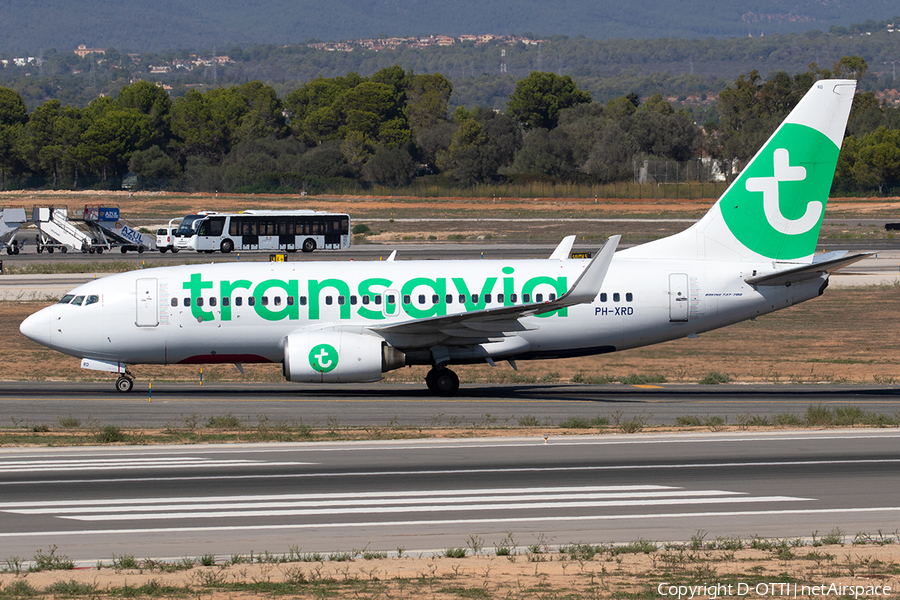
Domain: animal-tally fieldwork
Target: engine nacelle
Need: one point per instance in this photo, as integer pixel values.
(335, 356)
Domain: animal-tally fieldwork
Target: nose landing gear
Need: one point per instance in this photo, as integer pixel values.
(125, 382)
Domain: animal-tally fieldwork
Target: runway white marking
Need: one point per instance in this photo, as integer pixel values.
(417, 501)
(111, 464)
(703, 465)
(437, 522)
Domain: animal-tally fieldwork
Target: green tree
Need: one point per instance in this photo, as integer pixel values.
(546, 153)
(12, 107)
(153, 167)
(484, 142)
(539, 98)
(263, 115)
(390, 166)
(151, 100)
(52, 134)
(111, 139)
(877, 160)
(427, 101)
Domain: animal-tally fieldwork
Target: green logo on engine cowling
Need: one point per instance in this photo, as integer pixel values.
(775, 207)
(323, 358)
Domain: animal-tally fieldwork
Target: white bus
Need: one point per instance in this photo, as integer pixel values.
(288, 230)
(184, 233)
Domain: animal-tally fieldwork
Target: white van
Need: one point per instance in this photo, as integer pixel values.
(165, 237)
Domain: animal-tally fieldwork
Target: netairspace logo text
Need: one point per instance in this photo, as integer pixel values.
(719, 590)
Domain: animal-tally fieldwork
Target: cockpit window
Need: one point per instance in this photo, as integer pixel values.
(92, 299)
(66, 299)
(78, 300)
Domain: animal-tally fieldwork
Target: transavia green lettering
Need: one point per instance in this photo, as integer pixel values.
(277, 300)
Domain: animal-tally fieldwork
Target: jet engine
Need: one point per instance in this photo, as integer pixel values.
(337, 356)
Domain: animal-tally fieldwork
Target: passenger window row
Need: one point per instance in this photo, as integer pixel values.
(366, 299)
(617, 297)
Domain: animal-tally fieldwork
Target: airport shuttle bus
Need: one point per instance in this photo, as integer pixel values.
(289, 231)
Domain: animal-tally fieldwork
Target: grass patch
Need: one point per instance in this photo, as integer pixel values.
(714, 378)
(583, 423)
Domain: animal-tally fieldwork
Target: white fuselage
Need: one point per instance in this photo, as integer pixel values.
(194, 314)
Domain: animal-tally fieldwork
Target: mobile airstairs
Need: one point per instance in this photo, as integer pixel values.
(11, 218)
(57, 232)
(106, 221)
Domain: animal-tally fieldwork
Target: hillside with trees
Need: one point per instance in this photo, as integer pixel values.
(132, 26)
(350, 132)
(684, 71)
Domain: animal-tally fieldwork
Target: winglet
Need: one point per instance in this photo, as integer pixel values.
(587, 286)
(564, 249)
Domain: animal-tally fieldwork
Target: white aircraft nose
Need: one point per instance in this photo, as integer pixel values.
(37, 327)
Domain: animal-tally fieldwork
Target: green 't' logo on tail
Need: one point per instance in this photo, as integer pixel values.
(775, 207)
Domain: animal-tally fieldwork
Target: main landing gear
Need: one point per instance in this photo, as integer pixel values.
(441, 381)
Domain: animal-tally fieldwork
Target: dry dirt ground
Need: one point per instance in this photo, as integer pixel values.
(770, 570)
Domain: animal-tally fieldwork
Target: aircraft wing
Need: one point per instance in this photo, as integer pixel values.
(804, 272)
(504, 320)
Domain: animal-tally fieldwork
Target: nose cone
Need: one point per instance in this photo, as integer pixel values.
(37, 327)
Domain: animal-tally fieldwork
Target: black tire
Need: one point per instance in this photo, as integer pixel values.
(309, 245)
(92, 250)
(99, 250)
(124, 385)
(445, 382)
(16, 250)
(50, 250)
(123, 249)
(226, 246)
(140, 249)
(162, 250)
(64, 249)
(174, 250)
(40, 249)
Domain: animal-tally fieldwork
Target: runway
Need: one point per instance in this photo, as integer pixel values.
(423, 496)
(411, 405)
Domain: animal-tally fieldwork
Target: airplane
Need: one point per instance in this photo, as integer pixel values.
(337, 322)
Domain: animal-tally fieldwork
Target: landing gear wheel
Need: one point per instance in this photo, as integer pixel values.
(99, 250)
(442, 382)
(309, 245)
(50, 250)
(124, 384)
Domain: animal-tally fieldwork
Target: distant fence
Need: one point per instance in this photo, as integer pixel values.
(701, 170)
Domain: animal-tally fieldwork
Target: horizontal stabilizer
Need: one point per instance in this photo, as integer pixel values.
(804, 272)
